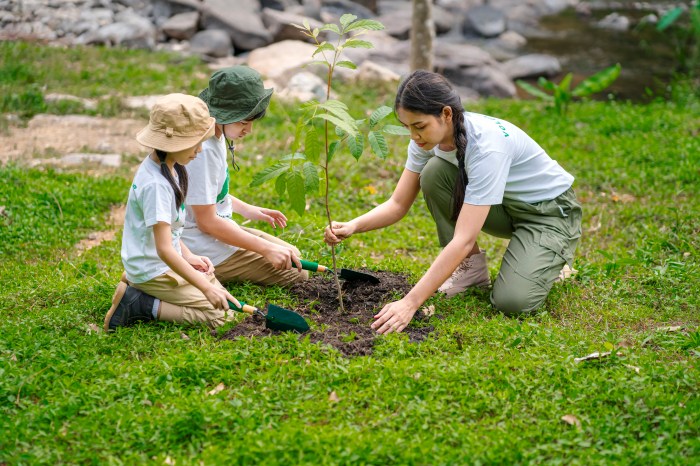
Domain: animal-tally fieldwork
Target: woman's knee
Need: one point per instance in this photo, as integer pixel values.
(517, 301)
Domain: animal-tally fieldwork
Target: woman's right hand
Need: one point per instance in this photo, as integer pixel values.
(339, 232)
(219, 297)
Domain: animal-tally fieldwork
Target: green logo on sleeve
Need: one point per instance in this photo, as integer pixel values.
(224, 190)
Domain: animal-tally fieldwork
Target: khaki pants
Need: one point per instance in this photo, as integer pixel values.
(244, 265)
(543, 237)
(182, 301)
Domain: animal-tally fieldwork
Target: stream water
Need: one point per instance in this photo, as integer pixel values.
(647, 56)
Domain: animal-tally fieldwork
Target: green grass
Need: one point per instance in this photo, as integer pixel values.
(482, 389)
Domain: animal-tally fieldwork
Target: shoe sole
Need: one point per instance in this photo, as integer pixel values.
(116, 299)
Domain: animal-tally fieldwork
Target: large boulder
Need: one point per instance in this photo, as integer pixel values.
(281, 60)
(242, 22)
(182, 26)
(212, 43)
(485, 20)
(533, 65)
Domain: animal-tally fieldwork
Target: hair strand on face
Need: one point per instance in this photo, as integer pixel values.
(429, 93)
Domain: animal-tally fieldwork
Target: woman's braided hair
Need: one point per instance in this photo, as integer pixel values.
(429, 93)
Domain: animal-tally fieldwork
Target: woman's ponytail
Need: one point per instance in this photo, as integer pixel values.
(180, 190)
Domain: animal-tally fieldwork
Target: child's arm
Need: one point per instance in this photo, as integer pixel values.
(201, 263)
(252, 212)
(218, 297)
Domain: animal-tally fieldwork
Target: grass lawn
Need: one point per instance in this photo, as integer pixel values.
(481, 389)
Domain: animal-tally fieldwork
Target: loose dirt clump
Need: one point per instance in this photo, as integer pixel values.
(349, 332)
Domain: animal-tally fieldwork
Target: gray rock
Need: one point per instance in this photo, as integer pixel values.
(181, 26)
(212, 42)
(487, 80)
(336, 8)
(279, 23)
(485, 20)
(532, 66)
(615, 22)
(245, 27)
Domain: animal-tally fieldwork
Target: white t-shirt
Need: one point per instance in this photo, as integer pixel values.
(208, 185)
(151, 200)
(501, 161)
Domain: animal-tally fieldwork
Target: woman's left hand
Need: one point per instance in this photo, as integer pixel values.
(394, 317)
(273, 217)
(201, 263)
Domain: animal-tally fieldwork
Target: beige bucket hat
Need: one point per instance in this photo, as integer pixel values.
(177, 122)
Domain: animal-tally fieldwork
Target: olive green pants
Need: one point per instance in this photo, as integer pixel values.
(543, 237)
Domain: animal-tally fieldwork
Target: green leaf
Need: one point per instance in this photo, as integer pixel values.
(311, 180)
(565, 83)
(268, 174)
(294, 156)
(340, 133)
(305, 22)
(330, 27)
(598, 81)
(669, 18)
(298, 26)
(378, 115)
(332, 148)
(296, 191)
(322, 47)
(532, 90)
(301, 124)
(340, 113)
(546, 84)
(312, 146)
(397, 130)
(378, 144)
(281, 184)
(346, 126)
(357, 44)
(347, 19)
(346, 64)
(356, 146)
(365, 24)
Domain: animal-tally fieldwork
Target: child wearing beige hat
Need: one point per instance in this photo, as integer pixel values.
(163, 280)
(236, 98)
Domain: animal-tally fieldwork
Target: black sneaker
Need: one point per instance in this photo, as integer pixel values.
(129, 306)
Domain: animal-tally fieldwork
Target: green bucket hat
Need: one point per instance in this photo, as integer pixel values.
(235, 94)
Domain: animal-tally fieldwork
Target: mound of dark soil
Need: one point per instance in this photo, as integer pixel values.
(347, 331)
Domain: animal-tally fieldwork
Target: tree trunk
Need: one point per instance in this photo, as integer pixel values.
(422, 35)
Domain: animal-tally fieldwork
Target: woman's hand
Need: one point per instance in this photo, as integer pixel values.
(394, 317)
(273, 217)
(201, 263)
(339, 232)
(219, 297)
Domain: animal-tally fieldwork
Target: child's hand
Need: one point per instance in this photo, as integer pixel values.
(219, 297)
(273, 217)
(201, 263)
(338, 233)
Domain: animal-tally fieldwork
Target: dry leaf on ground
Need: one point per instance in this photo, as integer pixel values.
(634, 368)
(595, 355)
(428, 310)
(333, 397)
(94, 328)
(571, 420)
(217, 389)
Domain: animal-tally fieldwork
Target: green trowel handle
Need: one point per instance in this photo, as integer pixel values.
(312, 266)
(247, 308)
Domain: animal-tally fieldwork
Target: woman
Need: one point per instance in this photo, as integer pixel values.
(477, 173)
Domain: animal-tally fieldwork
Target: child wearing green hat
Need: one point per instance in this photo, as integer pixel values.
(236, 98)
(163, 279)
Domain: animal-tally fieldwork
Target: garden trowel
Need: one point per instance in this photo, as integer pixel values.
(345, 274)
(276, 318)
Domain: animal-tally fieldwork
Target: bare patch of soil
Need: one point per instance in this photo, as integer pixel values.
(349, 332)
(116, 220)
(50, 135)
